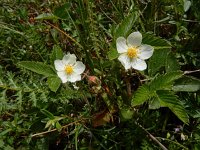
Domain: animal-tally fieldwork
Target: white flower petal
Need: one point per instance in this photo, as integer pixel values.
(74, 77)
(138, 64)
(63, 76)
(125, 60)
(59, 65)
(134, 39)
(121, 45)
(69, 59)
(145, 51)
(79, 67)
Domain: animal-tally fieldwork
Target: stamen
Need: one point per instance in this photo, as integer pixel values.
(68, 69)
(132, 52)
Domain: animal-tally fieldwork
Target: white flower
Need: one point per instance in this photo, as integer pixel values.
(132, 52)
(75, 86)
(68, 69)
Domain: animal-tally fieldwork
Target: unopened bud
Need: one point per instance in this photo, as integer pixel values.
(94, 80)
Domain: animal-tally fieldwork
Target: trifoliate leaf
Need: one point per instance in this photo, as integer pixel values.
(164, 81)
(156, 42)
(141, 95)
(187, 84)
(168, 99)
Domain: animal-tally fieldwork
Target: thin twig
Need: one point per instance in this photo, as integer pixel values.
(174, 142)
(146, 79)
(53, 130)
(128, 86)
(188, 72)
(85, 74)
(195, 21)
(152, 137)
(72, 39)
(185, 72)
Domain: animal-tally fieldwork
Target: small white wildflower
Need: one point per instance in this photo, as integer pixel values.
(68, 69)
(183, 137)
(75, 86)
(132, 52)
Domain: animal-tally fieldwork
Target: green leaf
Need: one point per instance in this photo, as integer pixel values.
(33, 98)
(195, 113)
(54, 83)
(38, 67)
(1, 143)
(157, 61)
(126, 113)
(187, 84)
(62, 11)
(46, 16)
(148, 90)
(170, 100)
(49, 124)
(125, 26)
(19, 98)
(164, 81)
(58, 126)
(141, 95)
(161, 58)
(8, 147)
(54, 34)
(171, 63)
(48, 114)
(187, 5)
(156, 42)
(56, 53)
(113, 54)
(154, 103)
(5, 132)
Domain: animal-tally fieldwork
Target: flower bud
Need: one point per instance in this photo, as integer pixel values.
(94, 80)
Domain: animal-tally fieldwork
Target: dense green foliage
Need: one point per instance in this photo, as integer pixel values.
(157, 108)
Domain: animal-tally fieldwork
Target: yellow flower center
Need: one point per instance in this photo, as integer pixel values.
(132, 52)
(68, 69)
